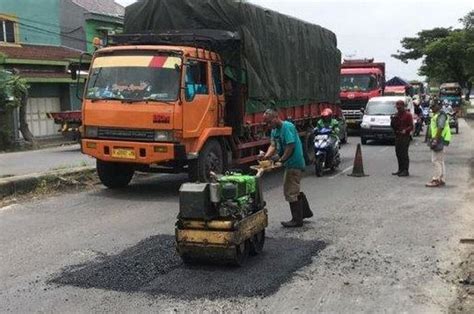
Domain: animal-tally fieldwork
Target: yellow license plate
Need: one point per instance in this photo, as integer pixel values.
(123, 153)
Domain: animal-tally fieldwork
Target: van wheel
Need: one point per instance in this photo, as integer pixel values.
(114, 175)
(211, 158)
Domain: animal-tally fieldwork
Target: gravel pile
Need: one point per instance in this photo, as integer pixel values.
(152, 266)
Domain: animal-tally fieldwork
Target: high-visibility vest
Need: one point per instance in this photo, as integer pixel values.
(446, 133)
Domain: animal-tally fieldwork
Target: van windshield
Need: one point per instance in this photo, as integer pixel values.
(135, 78)
(381, 108)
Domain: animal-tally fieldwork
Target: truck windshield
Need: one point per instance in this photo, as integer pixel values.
(381, 108)
(352, 82)
(135, 78)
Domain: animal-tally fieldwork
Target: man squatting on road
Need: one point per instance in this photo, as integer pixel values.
(286, 142)
(402, 124)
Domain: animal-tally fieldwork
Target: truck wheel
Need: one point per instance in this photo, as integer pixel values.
(363, 140)
(308, 148)
(211, 158)
(114, 175)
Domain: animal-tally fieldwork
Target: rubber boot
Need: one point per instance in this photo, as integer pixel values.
(307, 213)
(296, 216)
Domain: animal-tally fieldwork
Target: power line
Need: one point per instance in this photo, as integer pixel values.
(45, 31)
(50, 24)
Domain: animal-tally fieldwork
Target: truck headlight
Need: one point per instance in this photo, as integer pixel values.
(364, 125)
(91, 131)
(164, 136)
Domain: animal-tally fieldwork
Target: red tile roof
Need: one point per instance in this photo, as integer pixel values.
(39, 52)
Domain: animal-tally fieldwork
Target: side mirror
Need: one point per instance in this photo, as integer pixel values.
(74, 74)
(362, 110)
(189, 91)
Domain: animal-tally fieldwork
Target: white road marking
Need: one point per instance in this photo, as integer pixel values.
(384, 149)
(342, 172)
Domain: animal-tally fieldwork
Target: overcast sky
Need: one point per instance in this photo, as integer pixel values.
(373, 28)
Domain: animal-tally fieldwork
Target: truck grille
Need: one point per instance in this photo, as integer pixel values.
(351, 108)
(126, 134)
(353, 104)
(352, 114)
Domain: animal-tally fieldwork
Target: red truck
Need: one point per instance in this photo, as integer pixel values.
(361, 80)
(70, 122)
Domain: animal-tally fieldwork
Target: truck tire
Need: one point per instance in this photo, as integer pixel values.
(114, 175)
(211, 158)
(308, 148)
(363, 140)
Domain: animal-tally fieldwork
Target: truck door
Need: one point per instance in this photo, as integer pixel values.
(218, 97)
(197, 105)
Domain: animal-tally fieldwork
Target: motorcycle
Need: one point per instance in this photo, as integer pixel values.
(426, 115)
(452, 114)
(326, 149)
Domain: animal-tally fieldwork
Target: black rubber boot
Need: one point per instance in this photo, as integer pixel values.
(296, 216)
(307, 213)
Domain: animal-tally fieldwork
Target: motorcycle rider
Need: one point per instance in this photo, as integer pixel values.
(419, 117)
(328, 122)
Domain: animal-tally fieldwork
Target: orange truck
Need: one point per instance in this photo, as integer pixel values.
(193, 101)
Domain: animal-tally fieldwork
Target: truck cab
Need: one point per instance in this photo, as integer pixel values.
(360, 81)
(155, 108)
(451, 93)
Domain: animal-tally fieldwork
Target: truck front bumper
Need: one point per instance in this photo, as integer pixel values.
(134, 152)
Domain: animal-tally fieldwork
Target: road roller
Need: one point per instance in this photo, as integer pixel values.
(222, 221)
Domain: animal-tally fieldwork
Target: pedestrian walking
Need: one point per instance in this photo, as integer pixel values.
(440, 137)
(402, 124)
(286, 143)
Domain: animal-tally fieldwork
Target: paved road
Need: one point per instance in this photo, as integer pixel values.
(378, 244)
(43, 160)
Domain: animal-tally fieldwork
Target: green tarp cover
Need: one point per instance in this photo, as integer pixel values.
(286, 61)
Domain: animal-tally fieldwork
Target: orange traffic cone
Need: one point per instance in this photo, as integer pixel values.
(358, 169)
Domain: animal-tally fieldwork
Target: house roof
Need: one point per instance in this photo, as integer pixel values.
(103, 7)
(39, 52)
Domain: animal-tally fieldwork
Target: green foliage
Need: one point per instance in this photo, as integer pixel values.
(448, 54)
(3, 88)
(19, 89)
(13, 92)
(12, 89)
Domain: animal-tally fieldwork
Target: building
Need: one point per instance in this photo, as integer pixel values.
(88, 19)
(41, 41)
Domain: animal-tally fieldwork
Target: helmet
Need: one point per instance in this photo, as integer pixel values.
(326, 113)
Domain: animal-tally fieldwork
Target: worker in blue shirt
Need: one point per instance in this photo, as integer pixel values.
(286, 142)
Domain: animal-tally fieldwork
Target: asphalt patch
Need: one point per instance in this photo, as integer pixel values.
(153, 266)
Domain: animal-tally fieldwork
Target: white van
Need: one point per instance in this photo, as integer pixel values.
(377, 117)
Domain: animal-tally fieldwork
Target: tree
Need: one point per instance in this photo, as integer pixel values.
(447, 53)
(5, 112)
(19, 89)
